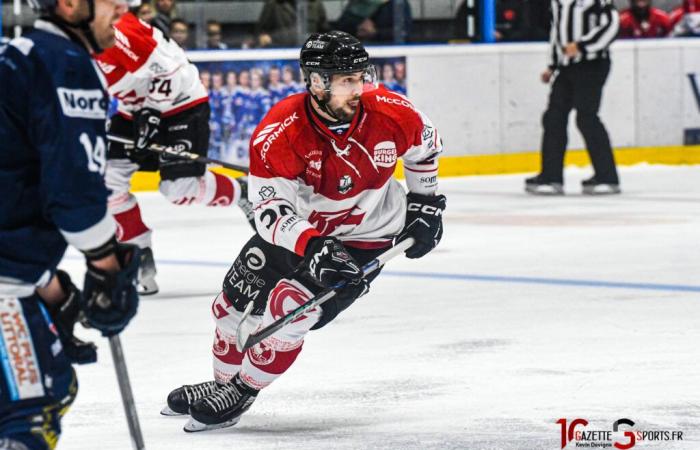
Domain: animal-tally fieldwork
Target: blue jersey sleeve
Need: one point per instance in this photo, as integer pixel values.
(67, 115)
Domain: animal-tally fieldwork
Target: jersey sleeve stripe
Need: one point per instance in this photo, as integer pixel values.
(94, 236)
(303, 240)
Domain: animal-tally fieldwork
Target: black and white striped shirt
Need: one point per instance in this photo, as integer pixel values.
(592, 24)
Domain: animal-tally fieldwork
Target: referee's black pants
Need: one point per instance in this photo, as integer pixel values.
(577, 86)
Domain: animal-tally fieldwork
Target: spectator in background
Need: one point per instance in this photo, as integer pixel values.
(516, 20)
(277, 24)
(278, 91)
(145, 12)
(685, 19)
(642, 20)
(389, 80)
(214, 36)
(180, 32)
(205, 77)
(373, 20)
(165, 13)
(291, 85)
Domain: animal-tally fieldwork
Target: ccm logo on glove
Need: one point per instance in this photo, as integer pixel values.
(425, 209)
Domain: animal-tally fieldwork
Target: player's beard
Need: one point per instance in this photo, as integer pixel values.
(346, 112)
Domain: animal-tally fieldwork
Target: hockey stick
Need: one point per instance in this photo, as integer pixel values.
(245, 339)
(180, 154)
(127, 395)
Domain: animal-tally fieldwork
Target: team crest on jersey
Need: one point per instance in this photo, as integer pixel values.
(345, 184)
(267, 192)
(385, 154)
(157, 68)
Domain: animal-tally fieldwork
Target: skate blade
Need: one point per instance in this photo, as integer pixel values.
(147, 287)
(602, 189)
(166, 411)
(551, 189)
(194, 426)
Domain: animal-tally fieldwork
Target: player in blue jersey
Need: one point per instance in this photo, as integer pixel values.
(52, 160)
(278, 91)
(217, 96)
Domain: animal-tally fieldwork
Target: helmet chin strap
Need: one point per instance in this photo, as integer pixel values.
(323, 104)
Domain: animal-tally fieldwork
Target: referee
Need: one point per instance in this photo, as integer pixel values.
(582, 31)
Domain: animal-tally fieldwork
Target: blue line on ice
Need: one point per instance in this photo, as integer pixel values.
(491, 278)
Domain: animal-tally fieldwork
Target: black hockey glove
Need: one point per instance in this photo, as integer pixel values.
(110, 300)
(423, 223)
(328, 263)
(146, 124)
(65, 316)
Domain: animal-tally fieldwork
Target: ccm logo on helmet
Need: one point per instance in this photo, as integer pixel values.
(83, 103)
(425, 209)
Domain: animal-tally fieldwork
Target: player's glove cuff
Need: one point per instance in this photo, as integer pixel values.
(423, 223)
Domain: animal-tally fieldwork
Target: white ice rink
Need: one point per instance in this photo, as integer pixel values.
(531, 309)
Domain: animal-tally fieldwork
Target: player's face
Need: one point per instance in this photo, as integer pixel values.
(107, 13)
(274, 76)
(231, 79)
(205, 77)
(146, 12)
(217, 81)
(400, 71)
(244, 79)
(256, 80)
(346, 90)
(388, 72)
(164, 6)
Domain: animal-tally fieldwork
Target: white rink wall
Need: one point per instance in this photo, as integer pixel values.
(488, 99)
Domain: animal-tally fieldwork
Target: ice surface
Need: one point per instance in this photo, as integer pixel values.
(532, 309)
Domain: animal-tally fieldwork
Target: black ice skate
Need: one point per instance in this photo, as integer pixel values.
(147, 273)
(180, 399)
(244, 203)
(223, 408)
(539, 186)
(592, 186)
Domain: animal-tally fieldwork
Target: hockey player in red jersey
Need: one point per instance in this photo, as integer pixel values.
(160, 100)
(326, 202)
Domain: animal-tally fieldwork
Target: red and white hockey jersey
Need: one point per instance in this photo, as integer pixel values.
(144, 69)
(305, 180)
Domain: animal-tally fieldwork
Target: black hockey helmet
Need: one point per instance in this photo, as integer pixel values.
(333, 52)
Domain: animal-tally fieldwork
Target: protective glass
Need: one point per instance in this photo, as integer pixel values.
(351, 84)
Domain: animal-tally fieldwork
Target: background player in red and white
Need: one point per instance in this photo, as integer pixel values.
(326, 202)
(160, 100)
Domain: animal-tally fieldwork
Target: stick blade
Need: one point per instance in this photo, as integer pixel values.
(244, 329)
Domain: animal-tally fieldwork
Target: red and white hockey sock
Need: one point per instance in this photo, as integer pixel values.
(130, 226)
(265, 362)
(226, 358)
(211, 189)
